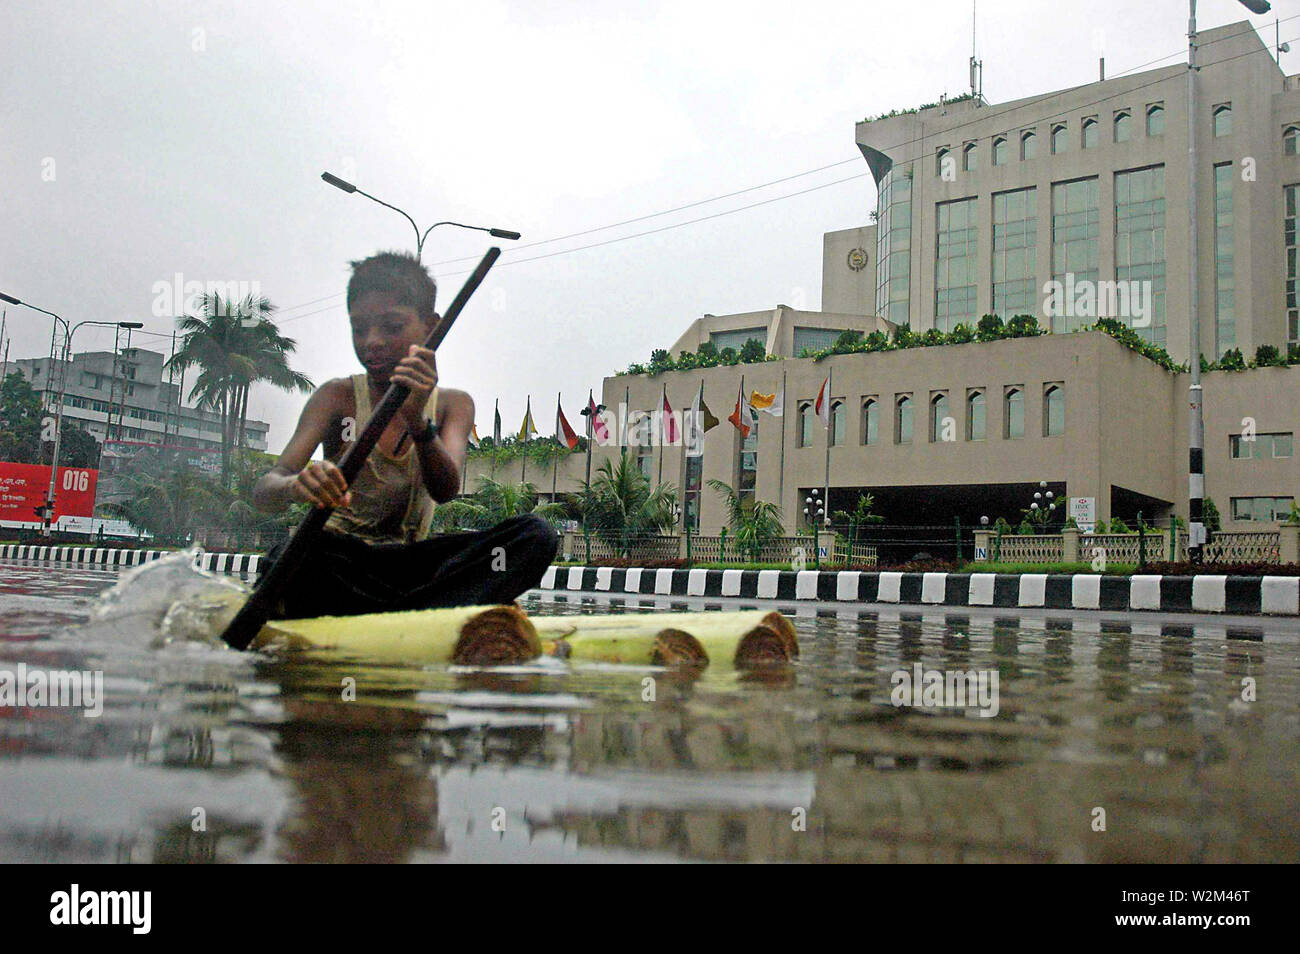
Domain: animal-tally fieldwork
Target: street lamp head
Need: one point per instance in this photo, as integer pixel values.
(130, 324)
(9, 298)
(984, 521)
(503, 233)
(338, 183)
(1042, 483)
(1257, 6)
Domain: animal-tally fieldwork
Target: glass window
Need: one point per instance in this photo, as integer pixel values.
(1075, 236)
(1291, 141)
(1222, 121)
(1015, 253)
(871, 421)
(1263, 509)
(1123, 126)
(1291, 194)
(955, 264)
(807, 420)
(939, 157)
(645, 461)
(1014, 414)
(1281, 446)
(1089, 134)
(1000, 151)
(894, 245)
(838, 418)
(976, 416)
(1140, 245)
(970, 158)
(814, 339)
(692, 484)
(1225, 320)
(1053, 411)
(903, 421)
(938, 416)
(737, 339)
(1060, 139)
(1155, 120)
(1263, 447)
(747, 464)
(1028, 146)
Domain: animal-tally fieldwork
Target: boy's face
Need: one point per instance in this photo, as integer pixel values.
(383, 331)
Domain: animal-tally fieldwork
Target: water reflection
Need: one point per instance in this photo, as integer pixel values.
(299, 759)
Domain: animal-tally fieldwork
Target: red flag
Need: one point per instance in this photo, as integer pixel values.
(672, 434)
(823, 405)
(739, 415)
(569, 437)
(598, 427)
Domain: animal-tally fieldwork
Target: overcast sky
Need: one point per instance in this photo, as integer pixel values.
(142, 140)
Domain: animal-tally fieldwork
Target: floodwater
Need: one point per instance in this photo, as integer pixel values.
(1113, 741)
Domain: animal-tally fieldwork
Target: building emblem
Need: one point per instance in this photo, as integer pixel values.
(857, 259)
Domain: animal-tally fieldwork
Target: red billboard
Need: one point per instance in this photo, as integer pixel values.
(23, 488)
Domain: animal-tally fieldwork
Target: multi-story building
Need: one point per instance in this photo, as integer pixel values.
(981, 208)
(128, 393)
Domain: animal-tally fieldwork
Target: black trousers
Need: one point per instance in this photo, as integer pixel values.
(345, 576)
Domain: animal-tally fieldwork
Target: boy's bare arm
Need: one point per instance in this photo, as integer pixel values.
(442, 460)
(295, 476)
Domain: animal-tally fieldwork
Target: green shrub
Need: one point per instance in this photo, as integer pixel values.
(752, 352)
(1023, 326)
(961, 333)
(990, 328)
(1267, 356)
(1119, 526)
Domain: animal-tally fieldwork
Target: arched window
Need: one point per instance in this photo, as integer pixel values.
(1053, 411)
(938, 416)
(970, 157)
(1000, 151)
(1155, 120)
(1090, 134)
(839, 415)
(1123, 125)
(903, 421)
(870, 421)
(976, 416)
(1291, 141)
(1014, 414)
(939, 157)
(807, 418)
(1222, 121)
(1028, 145)
(1060, 139)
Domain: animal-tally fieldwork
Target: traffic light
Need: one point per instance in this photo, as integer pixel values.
(44, 512)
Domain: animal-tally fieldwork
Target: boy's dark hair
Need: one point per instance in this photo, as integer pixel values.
(399, 273)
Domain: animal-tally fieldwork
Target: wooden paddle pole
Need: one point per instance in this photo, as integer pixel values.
(250, 620)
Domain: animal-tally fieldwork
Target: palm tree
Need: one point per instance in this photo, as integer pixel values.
(167, 501)
(493, 502)
(754, 523)
(234, 347)
(620, 504)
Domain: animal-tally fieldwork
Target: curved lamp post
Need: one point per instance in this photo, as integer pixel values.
(69, 331)
(349, 188)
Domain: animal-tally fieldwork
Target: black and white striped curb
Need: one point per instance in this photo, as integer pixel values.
(213, 562)
(1274, 595)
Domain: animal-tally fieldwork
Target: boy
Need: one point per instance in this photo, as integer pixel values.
(376, 553)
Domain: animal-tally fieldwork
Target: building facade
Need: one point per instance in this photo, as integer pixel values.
(128, 394)
(1069, 206)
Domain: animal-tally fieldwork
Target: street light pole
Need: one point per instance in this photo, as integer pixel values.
(1196, 395)
(63, 359)
(349, 188)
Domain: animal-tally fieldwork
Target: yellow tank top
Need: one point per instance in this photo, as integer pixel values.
(389, 501)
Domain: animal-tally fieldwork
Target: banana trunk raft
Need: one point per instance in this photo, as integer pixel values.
(488, 635)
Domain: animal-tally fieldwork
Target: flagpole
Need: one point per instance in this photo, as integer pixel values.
(663, 400)
(699, 436)
(780, 494)
(523, 458)
(555, 473)
(496, 435)
(627, 401)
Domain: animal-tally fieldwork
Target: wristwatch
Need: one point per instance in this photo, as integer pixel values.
(428, 434)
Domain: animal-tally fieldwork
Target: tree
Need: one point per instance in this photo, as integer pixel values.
(168, 501)
(493, 502)
(754, 523)
(1210, 516)
(20, 420)
(620, 504)
(77, 448)
(234, 347)
(859, 518)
